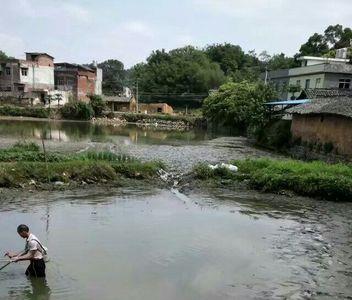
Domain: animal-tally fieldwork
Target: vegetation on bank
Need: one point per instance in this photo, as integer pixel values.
(239, 105)
(313, 179)
(25, 164)
(17, 111)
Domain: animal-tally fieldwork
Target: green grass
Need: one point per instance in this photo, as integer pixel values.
(314, 179)
(16, 111)
(25, 162)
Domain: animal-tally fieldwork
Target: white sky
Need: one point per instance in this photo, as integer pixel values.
(84, 30)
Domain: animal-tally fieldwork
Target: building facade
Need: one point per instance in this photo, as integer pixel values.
(81, 81)
(32, 77)
(325, 121)
(314, 73)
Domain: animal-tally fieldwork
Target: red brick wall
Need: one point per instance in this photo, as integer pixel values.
(324, 129)
(85, 85)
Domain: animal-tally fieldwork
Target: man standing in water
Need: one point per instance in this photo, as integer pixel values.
(34, 252)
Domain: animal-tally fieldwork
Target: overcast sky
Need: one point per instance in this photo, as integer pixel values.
(84, 30)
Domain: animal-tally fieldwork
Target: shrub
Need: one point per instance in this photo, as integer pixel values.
(33, 112)
(97, 104)
(77, 110)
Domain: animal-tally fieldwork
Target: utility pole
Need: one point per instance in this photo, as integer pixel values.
(266, 75)
(137, 100)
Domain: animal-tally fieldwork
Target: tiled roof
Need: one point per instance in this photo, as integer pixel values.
(335, 106)
(326, 93)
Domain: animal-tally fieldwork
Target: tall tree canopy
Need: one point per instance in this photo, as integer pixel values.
(3, 55)
(180, 71)
(334, 37)
(114, 76)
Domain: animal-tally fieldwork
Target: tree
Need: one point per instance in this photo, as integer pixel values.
(3, 55)
(230, 57)
(97, 104)
(239, 105)
(315, 46)
(334, 37)
(182, 71)
(113, 76)
(281, 61)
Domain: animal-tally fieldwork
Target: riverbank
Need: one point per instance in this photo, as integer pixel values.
(25, 165)
(312, 179)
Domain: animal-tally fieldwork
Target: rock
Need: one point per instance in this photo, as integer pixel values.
(58, 183)
(32, 182)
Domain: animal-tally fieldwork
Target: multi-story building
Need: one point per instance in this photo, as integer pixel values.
(80, 80)
(314, 73)
(32, 77)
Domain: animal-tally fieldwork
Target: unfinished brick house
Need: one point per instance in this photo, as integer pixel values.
(81, 81)
(29, 78)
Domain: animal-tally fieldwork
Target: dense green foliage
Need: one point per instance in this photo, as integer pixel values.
(97, 104)
(25, 162)
(239, 105)
(3, 55)
(77, 110)
(334, 37)
(314, 179)
(114, 76)
(15, 111)
(275, 135)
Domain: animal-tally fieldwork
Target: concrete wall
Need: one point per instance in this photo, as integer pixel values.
(38, 77)
(99, 82)
(324, 129)
(332, 80)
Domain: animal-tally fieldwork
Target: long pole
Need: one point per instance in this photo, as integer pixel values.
(4, 266)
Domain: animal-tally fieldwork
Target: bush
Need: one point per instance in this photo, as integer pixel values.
(97, 104)
(239, 105)
(33, 112)
(275, 135)
(77, 110)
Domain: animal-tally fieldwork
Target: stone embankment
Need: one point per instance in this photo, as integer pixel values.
(164, 124)
(115, 122)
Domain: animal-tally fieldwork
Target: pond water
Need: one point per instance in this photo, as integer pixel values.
(142, 243)
(147, 243)
(66, 131)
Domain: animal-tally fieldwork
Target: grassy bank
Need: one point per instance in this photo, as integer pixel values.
(17, 111)
(25, 164)
(314, 179)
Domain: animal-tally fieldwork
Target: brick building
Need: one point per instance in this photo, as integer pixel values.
(80, 80)
(32, 77)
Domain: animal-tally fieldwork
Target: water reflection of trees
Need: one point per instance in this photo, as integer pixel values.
(75, 131)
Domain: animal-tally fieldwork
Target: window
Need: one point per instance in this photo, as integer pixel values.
(298, 83)
(317, 82)
(60, 81)
(344, 83)
(8, 89)
(20, 88)
(70, 81)
(307, 83)
(24, 71)
(7, 71)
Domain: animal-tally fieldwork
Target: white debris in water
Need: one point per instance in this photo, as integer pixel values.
(230, 167)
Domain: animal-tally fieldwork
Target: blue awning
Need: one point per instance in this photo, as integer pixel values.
(288, 102)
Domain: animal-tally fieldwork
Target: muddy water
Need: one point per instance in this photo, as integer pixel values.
(144, 243)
